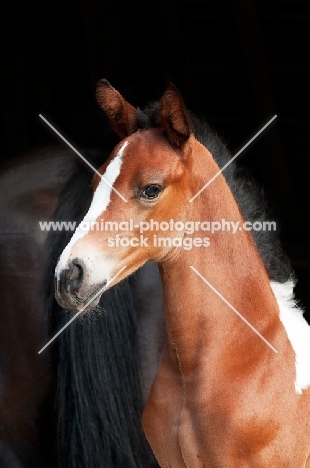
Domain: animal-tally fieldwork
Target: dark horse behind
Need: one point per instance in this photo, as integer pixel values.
(78, 403)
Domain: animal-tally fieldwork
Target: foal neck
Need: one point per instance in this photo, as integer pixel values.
(197, 317)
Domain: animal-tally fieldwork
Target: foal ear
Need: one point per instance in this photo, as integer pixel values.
(173, 117)
(122, 115)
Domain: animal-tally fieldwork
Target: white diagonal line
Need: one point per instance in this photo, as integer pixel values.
(84, 159)
(83, 308)
(231, 160)
(235, 310)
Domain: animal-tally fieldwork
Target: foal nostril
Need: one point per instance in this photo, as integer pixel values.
(75, 275)
(70, 278)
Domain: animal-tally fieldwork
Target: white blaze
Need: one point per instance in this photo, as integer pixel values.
(298, 332)
(99, 204)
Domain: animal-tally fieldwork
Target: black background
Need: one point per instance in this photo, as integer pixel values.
(236, 62)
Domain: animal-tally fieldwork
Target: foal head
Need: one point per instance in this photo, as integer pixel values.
(150, 175)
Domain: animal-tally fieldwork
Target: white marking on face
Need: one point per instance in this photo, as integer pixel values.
(298, 332)
(99, 204)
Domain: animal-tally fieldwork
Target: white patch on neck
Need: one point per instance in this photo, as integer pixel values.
(298, 332)
(99, 204)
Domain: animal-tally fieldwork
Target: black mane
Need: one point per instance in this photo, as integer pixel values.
(245, 190)
(98, 395)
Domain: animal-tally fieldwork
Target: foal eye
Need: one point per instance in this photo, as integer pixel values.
(150, 192)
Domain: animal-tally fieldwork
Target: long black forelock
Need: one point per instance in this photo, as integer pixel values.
(149, 116)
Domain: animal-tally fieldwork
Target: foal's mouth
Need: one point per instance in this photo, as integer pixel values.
(92, 299)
